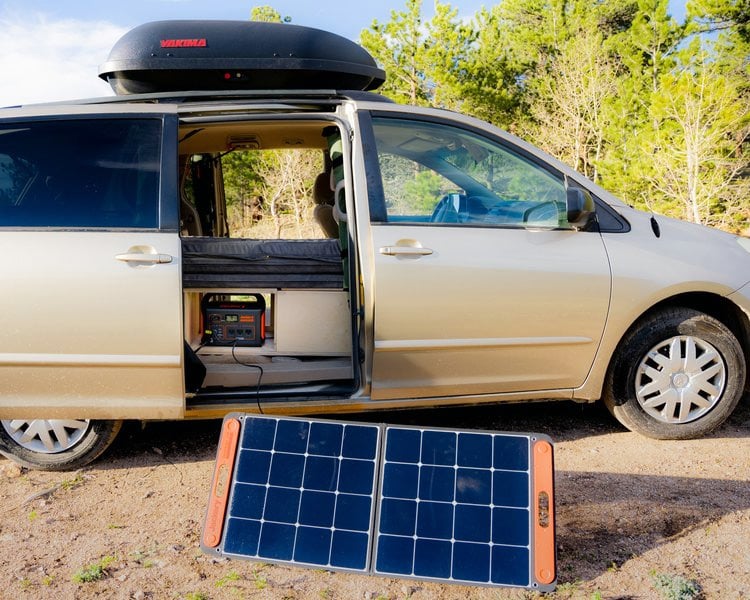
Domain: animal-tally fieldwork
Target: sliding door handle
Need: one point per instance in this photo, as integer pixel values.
(404, 251)
(142, 257)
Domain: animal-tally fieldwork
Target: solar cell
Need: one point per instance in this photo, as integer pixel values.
(455, 506)
(303, 492)
(459, 506)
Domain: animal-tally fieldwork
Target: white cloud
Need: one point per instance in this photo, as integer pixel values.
(44, 59)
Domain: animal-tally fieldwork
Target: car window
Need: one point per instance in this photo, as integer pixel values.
(80, 173)
(438, 173)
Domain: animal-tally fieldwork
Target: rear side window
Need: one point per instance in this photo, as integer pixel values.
(80, 173)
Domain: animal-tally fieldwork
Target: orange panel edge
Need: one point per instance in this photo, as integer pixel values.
(221, 483)
(544, 564)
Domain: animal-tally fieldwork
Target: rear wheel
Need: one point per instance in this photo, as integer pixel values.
(56, 444)
(678, 375)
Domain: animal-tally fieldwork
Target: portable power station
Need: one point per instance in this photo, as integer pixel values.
(234, 322)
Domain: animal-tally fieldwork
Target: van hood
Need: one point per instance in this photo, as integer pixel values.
(725, 255)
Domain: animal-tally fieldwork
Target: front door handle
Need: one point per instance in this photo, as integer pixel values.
(142, 257)
(404, 251)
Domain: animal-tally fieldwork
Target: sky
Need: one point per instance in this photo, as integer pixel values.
(51, 49)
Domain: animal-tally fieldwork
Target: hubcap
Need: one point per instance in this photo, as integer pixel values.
(48, 436)
(680, 379)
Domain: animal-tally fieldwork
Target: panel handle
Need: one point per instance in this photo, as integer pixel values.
(544, 513)
(222, 482)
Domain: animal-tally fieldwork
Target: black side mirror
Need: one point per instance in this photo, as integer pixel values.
(580, 207)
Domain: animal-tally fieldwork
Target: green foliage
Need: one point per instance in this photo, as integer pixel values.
(645, 53)
(144, 558)
(267, 14)
(676, 587)
(423, 60)
(398, 46)
(260, 580)
(423, 191)
(722, 15)
(94, 571)
(269, 192)
(242, 185)
(697, 163)
(72, 483)
(640, 103)
(230, 577)
(568, 589)
(491, 80)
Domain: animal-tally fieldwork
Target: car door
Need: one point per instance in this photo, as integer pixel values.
(480, 284)
(90, 325)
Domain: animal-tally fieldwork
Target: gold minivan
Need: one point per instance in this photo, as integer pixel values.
(449, 263)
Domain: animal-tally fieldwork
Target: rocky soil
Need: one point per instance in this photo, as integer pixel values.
(636, 518)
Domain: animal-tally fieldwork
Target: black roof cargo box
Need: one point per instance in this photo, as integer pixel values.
(167, 56)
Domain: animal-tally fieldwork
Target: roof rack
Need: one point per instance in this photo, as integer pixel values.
(289, 97)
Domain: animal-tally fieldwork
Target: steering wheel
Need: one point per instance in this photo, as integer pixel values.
(445, 210)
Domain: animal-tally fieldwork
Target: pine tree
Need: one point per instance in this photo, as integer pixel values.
(423, 60)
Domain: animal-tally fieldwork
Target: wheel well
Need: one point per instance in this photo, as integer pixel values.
(716, 306)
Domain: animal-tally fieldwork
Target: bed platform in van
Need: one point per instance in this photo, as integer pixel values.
(242, 263)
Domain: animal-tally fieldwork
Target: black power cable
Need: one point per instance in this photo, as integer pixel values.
(252, 366)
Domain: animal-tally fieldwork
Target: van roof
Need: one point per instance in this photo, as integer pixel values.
(288, 98)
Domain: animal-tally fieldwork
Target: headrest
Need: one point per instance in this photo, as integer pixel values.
(322, 192)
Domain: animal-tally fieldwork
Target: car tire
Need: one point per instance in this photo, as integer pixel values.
(678, 374)
(56, 444)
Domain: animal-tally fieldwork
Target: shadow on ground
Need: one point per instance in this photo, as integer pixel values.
(197, 440)
(562, 421)
(605, 519)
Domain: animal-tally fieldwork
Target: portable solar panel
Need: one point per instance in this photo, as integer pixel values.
(468, 507)
(298, 491)
(458, 506)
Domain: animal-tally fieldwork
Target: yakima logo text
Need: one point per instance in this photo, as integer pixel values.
(195, 43)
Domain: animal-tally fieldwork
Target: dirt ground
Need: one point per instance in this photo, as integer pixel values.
(632, 514)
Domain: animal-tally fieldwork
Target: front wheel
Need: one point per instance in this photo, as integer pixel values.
(56, 444)
(679, 374)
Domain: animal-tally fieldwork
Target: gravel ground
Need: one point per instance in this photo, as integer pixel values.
(634, 517)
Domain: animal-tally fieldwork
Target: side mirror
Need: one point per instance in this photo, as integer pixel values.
(580, 207)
